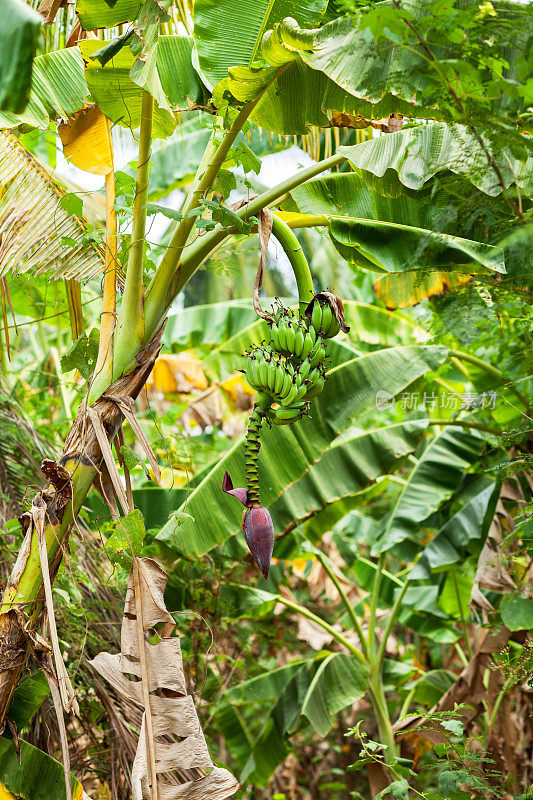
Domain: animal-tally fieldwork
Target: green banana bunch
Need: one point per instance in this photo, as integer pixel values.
(323, 321)
(289, 370)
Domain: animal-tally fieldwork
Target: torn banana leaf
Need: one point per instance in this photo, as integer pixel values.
(171, 740)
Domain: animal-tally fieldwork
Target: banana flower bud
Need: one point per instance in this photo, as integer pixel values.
(257, 527)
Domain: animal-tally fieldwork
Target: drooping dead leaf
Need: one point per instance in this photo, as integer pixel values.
(391, 124)
(86, 140)
(177, 747)
(38, 234)
(315, 636)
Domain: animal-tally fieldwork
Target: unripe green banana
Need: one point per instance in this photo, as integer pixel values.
(285, 416)
(282, 336)
(309, 341)
(293, 391)
(271, 373)
(313, 377)
(289, 347)
(316, 316)
(325, 321)
(333, 329)
(274, 336)
(263, 371)
(318, 356)
(304, 370)
(280, 375)
(314, 390)
(252, 373)
(300, 394)
(287, 383)
(299, 339)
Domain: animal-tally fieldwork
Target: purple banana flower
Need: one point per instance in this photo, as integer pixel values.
(257, 526)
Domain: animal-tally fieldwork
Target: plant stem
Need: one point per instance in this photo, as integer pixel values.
(488, 368)
(463, 423)
(379, 704)
(374, 605)
(497, 704)
(104, 362)
(389, 626)
(348, 606)
(166, 281)
(306, 220)
(336, 635)
(131, 317)
(295, 254)
(461, 612)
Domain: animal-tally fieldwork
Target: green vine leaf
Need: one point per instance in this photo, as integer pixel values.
(127, 539)
(82, 355)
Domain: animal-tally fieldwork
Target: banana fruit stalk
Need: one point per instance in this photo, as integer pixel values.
(287, 372)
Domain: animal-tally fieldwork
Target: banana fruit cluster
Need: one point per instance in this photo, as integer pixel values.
(290, 369)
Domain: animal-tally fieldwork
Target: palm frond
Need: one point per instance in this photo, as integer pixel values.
(36, 234)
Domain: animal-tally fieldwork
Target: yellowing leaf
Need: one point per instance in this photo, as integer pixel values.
(4, 794)
(174, 373)
(236, 386)
(86, 141)
(409, 288)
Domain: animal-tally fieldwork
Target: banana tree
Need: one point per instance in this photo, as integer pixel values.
(282, 77)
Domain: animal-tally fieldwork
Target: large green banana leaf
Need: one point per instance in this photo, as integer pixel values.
(266, 687)
(230, 724)
(209, 324)
(353, 461)
(317, 689)
(462, 533)
(419, 153)
(28, 698)
(435, 478)
(171, 79)
(229, 34)
(342, 67)
(37, 777)
(297, 98)
(19, 34)
(174, 160)
(102, 14)
(58, 89)
(387, 234)
(289, 452)
(61, 85)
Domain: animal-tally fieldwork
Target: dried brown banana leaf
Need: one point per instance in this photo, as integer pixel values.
(150, 676)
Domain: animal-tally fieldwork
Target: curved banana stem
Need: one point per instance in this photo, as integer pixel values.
(297, 259)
